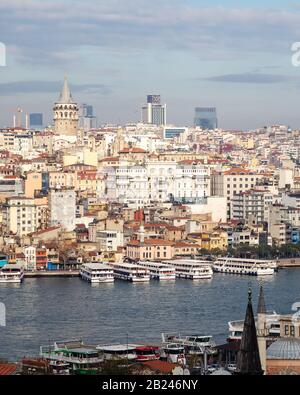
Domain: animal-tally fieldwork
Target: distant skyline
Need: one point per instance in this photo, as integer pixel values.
(232, 55)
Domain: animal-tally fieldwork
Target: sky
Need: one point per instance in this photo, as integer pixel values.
(234, 55)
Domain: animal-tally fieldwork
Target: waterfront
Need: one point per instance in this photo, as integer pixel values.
(42, 310)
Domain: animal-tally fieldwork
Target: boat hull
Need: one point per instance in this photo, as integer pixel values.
(256, 272)
(97, 280)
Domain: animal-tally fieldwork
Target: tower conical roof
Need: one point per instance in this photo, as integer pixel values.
(248, 360)
(261, 307)
(65, 95)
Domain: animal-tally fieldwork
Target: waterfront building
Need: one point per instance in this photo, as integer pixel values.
(150, 250)
(66, 113)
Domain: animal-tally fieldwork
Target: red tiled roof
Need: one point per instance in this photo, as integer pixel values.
(110, 159)
(182, 244)
(135, 150)
(161, 366)
(6, 369)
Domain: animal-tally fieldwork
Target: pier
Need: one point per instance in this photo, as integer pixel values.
(52, 273)
(288, 263)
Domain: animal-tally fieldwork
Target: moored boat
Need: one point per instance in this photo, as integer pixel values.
(159, 270)
(192, 269)
(118, 351)
(97, 273)
(11, 273)
(131, 272)
(147, 353)
(81, 359)
(252, 267)
(174, 352)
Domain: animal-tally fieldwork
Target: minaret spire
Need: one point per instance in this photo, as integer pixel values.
(248, 360)
(262, 331)
(261, 307)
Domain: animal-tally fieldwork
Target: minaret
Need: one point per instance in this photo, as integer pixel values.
(66, 113)
(142, 232)
(262, 331)
(248, 360)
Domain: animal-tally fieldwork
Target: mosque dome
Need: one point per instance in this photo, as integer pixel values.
(287, 348)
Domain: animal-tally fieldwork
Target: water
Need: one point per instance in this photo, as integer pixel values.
(40, 311)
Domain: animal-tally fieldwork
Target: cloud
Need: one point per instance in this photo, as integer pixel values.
(25, 87)
(45, 31)
(252, 78)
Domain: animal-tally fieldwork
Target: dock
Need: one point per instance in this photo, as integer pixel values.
(52, 273)
(288, 263)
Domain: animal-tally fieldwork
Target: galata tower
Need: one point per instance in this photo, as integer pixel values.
(66, 113)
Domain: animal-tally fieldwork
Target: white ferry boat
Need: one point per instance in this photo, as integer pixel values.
(192, 269)
(131, 272)
(253, 267)
(272, 325)
(193, 344)
(97, 273)
(11, 273)
(174, 353)
(118, 351)
(159, 271)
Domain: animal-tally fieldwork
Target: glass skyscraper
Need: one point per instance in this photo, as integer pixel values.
(36, 121)
(87, 120)
(154, 112)
(206, 117)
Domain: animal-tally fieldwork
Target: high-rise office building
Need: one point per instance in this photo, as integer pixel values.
(206, 117)
(154, 112)
(36, 121)
(87, 120)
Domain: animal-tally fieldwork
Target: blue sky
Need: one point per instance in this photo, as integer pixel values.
(235, 55)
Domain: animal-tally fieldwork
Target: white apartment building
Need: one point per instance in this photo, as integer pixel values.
(232, 182)
(191, 183)
(157, 181)
(110, 240)
(23, 215)
(291, 200)
(30, 258)
(251, 204)
(59, 179)
(62, 206)
(19, 143)
(161, 177)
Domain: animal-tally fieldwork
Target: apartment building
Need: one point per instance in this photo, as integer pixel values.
(251, 205)
(62, 207)
(22, 215)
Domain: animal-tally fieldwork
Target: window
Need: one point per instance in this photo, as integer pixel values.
(286, 330)
(292, 331)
